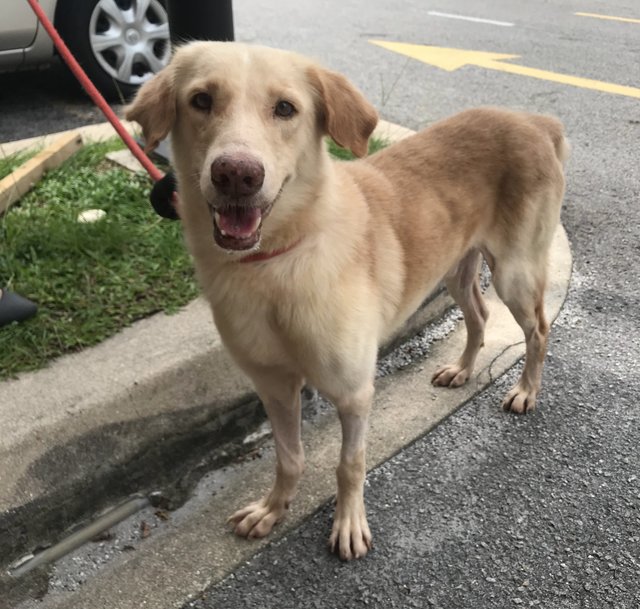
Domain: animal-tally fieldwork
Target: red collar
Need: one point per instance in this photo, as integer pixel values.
(261, 256)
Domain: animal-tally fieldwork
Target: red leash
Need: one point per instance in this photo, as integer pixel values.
(95, 95)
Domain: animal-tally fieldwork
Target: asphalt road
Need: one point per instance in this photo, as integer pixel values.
(485, 511)
(488, 510)
(38, 102)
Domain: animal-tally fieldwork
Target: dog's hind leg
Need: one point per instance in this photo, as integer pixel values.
(520, 283)
(280, 395)
(464, 287)
(350, 535)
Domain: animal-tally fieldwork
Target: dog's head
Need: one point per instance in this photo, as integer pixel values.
(246, 122)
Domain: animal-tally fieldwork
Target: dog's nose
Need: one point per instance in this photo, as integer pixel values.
(237, 175)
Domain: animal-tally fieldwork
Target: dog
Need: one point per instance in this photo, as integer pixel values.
(309, 264)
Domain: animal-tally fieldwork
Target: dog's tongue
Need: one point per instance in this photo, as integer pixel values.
(239, 222)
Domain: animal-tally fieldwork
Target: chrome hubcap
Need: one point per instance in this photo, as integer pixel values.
(130, 38)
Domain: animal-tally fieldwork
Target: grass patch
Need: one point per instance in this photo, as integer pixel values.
(89, 280)
(375, 144)
(13, 161)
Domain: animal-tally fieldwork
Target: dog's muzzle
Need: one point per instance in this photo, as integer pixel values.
(238, 210)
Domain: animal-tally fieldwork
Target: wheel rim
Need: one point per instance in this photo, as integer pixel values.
(130, 38)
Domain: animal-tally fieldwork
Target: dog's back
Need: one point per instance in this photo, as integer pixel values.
(486, 178)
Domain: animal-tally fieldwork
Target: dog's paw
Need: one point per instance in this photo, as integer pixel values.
(350, 537)
(519, 400)
(452, 375)
(257, 519)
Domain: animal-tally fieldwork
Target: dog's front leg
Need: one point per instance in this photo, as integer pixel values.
(280, 395)
(350, 535)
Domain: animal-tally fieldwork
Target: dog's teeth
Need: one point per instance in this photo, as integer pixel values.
(216, 217)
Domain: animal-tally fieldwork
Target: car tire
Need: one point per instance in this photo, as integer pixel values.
(118, 43)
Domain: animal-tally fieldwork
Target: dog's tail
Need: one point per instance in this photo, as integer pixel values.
(553, 127)
(561, 145)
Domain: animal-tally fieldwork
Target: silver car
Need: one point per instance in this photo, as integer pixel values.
(119, 43)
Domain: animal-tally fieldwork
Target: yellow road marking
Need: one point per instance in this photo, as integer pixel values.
(453, 59)
(610, 17)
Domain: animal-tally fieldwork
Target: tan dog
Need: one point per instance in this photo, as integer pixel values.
(309, 264)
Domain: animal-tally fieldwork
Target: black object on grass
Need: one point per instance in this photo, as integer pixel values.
(162, 196)
(14, 307)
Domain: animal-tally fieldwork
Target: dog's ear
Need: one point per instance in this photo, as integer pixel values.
(154, 107)
(343, 111)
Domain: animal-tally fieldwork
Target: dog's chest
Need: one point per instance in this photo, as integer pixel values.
(305, 329)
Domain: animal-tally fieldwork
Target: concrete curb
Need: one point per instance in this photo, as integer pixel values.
(134, 414)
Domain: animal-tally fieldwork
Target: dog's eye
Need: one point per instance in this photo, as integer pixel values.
(284, 109)
(202, 101)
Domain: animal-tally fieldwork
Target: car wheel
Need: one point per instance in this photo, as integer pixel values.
(119, 43)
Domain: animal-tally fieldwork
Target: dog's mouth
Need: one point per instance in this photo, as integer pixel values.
(238, 227)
